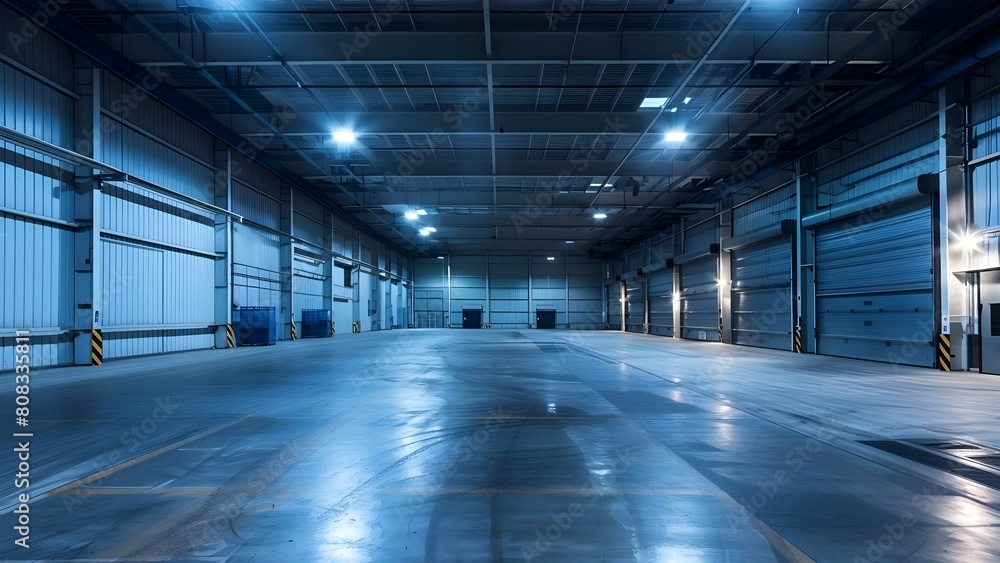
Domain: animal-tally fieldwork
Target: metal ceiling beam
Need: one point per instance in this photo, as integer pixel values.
(469, 47)
(539, 168)
(432, 200)
(478, 123)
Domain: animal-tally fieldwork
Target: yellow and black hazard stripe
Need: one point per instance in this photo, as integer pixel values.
(798, 341)
(944, 352)
(230, 337)
(333, 328)
(356, 326)
(96, 347)
(294, 336)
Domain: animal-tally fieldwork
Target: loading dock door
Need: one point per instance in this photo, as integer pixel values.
(635, 308)
(614, 305)
(472, 318)
(700, 299)
(545, 318)
(762, 294)
(661, 302)
(875, 287)
(989, 322)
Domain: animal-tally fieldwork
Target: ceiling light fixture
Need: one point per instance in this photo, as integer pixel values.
(431, 229)
(673, 109)
(687, 100)
(675, 137)
(600, 215)
(550, 258)
(410, 215)
(344, 137)
(424, 232)
(421, 212)
(653, 102)
(570, 242)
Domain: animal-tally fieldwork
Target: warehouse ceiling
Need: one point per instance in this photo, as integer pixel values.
(513, 123)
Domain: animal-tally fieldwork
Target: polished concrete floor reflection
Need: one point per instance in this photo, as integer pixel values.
(492, 445)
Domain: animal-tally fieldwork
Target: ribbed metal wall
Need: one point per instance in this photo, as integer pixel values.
(308, 281)
(762, 294)
(661, 302)
(36, 260)
(986, 176)
(875, 288)
(509, 292)
(764, 211)
(509, 288)
(257, 277)
(899, 147)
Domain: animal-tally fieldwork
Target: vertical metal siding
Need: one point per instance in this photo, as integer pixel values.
(986, 177)
(308, 229)
(256, 205)
(762, 294)
(699, 237)
(765, 211)
(875, 288)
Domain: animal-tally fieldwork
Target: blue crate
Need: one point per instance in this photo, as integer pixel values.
(316, 323)
(255, 326)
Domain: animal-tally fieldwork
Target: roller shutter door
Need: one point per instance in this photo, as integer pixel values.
(875, 288)
(700, 299)
(635, 308)
(614, 306)
(661, 303)
(762, 294)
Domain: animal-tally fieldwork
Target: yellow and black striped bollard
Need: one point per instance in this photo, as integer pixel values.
(944, 352)
(96, 347)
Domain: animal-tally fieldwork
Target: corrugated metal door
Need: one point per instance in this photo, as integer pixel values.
(635, 308)
(661, 302)
(875, 288)
(700, 299)
(614, 306)
(762, 294)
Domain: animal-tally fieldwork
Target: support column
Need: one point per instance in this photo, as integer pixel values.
(286, 317)
(224, 333)
(953, 226)
(803, 265)
(328, 267)
(88, 345)
(725, 278)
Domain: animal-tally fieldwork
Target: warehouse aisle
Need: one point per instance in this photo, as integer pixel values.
(497, 445)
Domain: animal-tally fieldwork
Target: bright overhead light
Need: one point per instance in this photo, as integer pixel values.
(421, 212)
(344, 137)
(551, 258)
(600, 215)
(570, 242)
(673, 109)
(653, 102)
(675, 136)
(431, 229)
(687, 100)
(424, 232)
(440, 257)
(410, 215)
(596, 185)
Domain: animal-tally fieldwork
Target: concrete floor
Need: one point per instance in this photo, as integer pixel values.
(490, 445)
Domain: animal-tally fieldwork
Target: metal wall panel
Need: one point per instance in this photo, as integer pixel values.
(257, 278)
(35, 108)
(892, 155)
(308, 282)
(762, 294)
(700, 299)
(701, 236)
(42, 53)
(875, 287)
(255, 205)
(635, 304)
(986, 177)
(661, 302)
(764, 211)
(153, 160)
(136, 212)
(308, 229)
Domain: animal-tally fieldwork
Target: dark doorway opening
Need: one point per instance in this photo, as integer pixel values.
(545, 318)
(472, 318)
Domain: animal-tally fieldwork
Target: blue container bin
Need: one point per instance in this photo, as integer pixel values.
(316, 323)
(255, 326)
